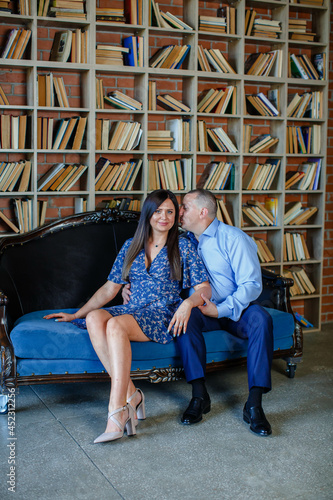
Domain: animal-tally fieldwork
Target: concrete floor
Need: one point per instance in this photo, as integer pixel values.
(218, 458)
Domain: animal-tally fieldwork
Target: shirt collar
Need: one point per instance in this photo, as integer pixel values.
(210, 231)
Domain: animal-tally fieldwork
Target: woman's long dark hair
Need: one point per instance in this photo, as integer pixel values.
(143, 233)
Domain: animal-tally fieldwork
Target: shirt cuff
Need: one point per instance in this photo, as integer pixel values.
(223, 310)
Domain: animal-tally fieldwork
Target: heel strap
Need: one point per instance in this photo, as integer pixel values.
(134, 393)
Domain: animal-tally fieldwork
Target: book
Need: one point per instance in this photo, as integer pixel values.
(61, 46)
(9, 223)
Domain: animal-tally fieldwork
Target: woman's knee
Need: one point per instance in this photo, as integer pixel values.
(115, 327)
(95, 318)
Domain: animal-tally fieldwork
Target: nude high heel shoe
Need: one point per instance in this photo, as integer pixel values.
(129, 425)
(140, 410)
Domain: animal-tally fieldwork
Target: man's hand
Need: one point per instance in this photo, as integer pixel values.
(208, 309)
(126, 294)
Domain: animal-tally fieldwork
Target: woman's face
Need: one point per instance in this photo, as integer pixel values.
(164, 217)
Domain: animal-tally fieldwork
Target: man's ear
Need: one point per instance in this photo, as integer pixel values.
(203, 212)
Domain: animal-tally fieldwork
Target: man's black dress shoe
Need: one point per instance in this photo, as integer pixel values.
(255, 416)
(195, 409)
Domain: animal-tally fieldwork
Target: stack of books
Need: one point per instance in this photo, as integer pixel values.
(165, 19)
(260, 104)
(168, 174)
(122, 101)
(117, 135)
(213, 24)
(60, 177)
(257, 213)
(300, 66)
(116, 176)
(111, 15)
(303, 140)
(73, 9)
(218, 100)
(5, 6)
(292, 178)
(168, 102)
(297, 30)
(295, 247)
(50, 86)
(15, 176)
(264, 64)
(215, 176)
(223, 213)
(169, 57)
(110, 54)
(260, 176)
(309, 105)
(264, 253)
(160, 139)
(255, 26)
(296, 214)
(13, 131)
(16, 44)
(302, 283)
(258, 144)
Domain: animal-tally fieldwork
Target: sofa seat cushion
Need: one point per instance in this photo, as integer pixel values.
(47, 346)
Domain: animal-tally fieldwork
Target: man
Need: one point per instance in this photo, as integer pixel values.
(230, 257)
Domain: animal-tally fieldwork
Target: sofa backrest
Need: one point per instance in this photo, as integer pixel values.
(63, 264)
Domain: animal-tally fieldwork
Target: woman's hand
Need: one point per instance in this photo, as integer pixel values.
(180, 318)
(126, 293)
(61, 316)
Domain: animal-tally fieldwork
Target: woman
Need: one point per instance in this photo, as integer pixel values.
(158, 266)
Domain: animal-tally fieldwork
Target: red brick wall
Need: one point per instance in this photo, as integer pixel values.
(327, 307)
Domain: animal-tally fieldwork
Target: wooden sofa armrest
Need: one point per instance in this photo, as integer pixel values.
(8, 365)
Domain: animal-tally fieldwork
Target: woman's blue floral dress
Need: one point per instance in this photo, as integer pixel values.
(155, 296)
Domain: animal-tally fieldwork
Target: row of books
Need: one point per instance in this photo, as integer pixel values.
(302, 283)
(168, 174)
(215, 137)
(70, 46)
(260, 176)
(165, 19)
(257, 144)
(217, 176)
(264, 63)
(51, 90)
(296, 214)
(23, 214)
(223, 213)
(256, 26)
(303, 140)
(169, 57)
(262, 105)
(116, 176)
(73, 9)
(213, 60)
(112, 55)
(307, 105)
(306, 177)
(218, 101)
(295, 247)
(298, 30)
(300, 66)
(15, 176)
(60, 177)
(123, 203)
(16, 44)
(13, 131)
(117, 135)
(264, 253)
(225, 23)
(66, 133)
(257, 213)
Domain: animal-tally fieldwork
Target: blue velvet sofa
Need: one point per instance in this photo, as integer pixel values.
(58, 267)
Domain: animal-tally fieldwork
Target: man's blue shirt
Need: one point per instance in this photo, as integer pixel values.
(230, 257)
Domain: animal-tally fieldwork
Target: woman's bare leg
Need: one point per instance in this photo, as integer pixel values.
(96, 324)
